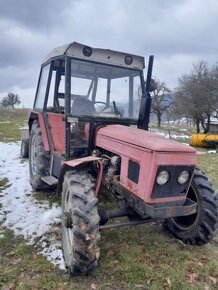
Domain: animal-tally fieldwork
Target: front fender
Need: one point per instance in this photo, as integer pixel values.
(75, 164)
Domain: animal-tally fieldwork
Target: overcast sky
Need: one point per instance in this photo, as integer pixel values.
(177, 32)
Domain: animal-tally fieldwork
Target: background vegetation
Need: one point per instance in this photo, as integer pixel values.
(195, 100)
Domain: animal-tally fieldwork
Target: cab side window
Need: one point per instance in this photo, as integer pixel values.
(51, 94)
(40, 97)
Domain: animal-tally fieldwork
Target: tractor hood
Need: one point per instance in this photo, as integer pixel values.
(145, 139)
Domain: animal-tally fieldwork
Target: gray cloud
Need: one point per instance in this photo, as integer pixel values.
(40, 15)
(177, 32)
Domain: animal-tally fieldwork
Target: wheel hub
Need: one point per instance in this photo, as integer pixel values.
(68, 221)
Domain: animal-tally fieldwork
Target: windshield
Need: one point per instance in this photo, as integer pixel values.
(102, 90)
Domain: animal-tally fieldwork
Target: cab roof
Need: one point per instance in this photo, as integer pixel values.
(106, 56)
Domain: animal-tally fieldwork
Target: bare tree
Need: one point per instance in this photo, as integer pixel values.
(10, 100)
(196, 95)
(161, 100)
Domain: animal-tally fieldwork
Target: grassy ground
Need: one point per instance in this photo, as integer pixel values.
(209, 163)
(143, 257)
(132, 258)
(11, 121)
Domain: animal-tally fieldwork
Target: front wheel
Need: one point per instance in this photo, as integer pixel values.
(80, 223)
(201, 227)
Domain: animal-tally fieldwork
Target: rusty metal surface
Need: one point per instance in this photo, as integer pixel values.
(79, 161)
(127, 224)
(159, 210)
(76, 162)
(99, 178)
(188, 208)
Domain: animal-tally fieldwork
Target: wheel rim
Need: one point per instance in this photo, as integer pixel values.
(187, 222)
(33, 157)
(67, 229)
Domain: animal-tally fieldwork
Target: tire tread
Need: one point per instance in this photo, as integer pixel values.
(85, 252)
(206, 226)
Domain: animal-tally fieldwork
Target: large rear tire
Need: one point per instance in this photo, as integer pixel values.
(80, 223)
(39, 159)
(201, 227)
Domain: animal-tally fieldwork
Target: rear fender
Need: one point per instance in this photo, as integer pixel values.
(43, 132)
(38, 116)
(77, 164)
(31, 117)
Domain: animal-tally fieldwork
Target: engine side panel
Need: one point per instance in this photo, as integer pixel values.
(145, 163)
(145, 139)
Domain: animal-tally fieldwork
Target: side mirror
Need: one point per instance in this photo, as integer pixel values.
(153, 85)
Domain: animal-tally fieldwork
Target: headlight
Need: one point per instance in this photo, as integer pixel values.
(163, 177)
(183, 177)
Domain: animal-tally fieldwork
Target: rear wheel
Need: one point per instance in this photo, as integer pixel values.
(24, 149)
(198, 228)
(39, 159)
(80, 223)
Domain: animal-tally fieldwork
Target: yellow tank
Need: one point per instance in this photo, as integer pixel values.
(204, 140)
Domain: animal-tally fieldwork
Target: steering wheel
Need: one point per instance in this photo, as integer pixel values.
(98, 103)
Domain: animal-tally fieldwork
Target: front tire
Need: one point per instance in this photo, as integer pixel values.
(80, 223)
(201, 227)
(39, 159)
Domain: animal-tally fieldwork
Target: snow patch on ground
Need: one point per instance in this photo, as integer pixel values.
(1, 234)
(170, 135)
(5, 122)
(24, 128)
(22, 213)
(179, 136)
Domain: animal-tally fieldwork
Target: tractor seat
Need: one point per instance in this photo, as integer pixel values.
(82, 106)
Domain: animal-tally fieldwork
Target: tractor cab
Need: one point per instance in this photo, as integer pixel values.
(81, 88)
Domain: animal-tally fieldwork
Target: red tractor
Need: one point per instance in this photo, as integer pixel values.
(89, 129)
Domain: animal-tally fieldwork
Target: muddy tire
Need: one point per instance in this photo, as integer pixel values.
(24, 148)
(80, 223)
(39, 159)
(201, 227)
